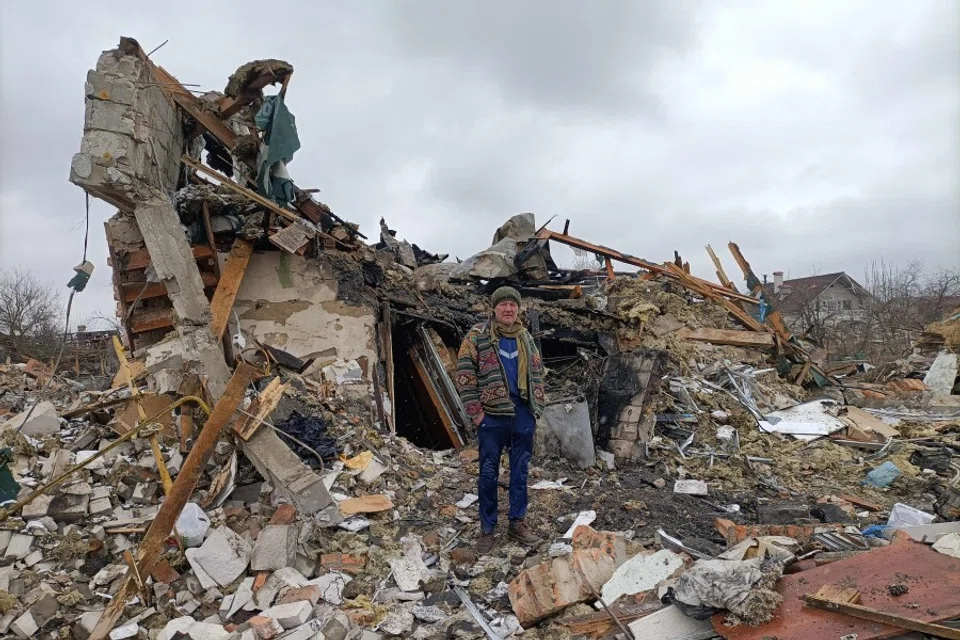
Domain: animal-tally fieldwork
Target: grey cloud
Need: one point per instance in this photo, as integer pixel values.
(822, 136)
(568, 54)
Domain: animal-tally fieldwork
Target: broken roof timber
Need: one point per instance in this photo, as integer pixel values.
(730, 300)
(218, 128)
(180, 96)
(613, 254)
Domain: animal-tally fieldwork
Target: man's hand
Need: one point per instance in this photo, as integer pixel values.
(478, 420)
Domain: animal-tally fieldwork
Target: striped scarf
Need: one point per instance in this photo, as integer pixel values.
(516, 332)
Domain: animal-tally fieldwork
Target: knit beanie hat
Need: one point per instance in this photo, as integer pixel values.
(505, 293)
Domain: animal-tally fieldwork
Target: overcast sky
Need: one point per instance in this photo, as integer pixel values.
(819, 135)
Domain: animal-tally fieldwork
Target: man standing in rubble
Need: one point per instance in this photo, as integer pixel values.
(500, 379)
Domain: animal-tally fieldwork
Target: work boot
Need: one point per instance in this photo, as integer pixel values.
(520, 532)
(484, 544)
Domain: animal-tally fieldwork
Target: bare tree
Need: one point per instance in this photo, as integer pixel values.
(896, 304)
(29, 314)
(102, 320)
(904, 301)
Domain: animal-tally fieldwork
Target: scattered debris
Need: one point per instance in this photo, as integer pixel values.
(315, 475)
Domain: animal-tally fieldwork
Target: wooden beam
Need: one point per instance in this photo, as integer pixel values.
(900, 622)
(613, 254)
(774, 319)
(233, 186)
(146, 290)
(229, 106)
(153, 542)
(804, 372)
(140, 259)
(721, 274)
(230, 279)
(211, 238)
(755, 339)
(691, 283)
(599, 624)
(153, 320)
(609, 265)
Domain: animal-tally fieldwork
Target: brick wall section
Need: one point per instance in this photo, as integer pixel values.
(132, 135)
(626, 402)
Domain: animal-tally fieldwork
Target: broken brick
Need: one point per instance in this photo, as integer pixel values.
(285, 514)
(613, 544)
(735, 533)
(345, 562)
(265, 628)
(163, 572)
(543, 590)
(310, 593)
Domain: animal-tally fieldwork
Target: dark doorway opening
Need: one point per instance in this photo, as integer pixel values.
(428, 411)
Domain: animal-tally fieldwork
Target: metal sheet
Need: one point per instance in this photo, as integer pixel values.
(933, 580)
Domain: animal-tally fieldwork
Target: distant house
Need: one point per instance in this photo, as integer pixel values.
(829, 299)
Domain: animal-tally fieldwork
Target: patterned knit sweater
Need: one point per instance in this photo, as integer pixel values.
(481, 379)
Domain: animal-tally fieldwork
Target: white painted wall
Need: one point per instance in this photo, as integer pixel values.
(290, 302)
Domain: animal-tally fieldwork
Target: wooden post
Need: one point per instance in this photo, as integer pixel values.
(183, 487)
(211, 239)
(230, 279)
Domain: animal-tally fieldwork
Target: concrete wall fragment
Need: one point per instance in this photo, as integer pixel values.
(132, 134)
(290, 302)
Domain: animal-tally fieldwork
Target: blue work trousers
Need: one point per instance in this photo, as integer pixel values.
(495, 434)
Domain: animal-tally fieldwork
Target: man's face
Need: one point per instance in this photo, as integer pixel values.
(506, 312)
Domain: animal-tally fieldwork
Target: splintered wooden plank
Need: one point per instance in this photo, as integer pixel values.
(599, 624)
(733, 337)
(836, 593)
(613, 254)
(691, 283)
(365, 504)
(230, 279)
(266, 403)
(860, 502)
(721, 274)
(774, 319)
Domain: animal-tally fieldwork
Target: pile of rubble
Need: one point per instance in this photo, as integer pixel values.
(391, 556)
(283, 452)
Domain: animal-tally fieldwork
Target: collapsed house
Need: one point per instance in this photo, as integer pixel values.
(311, 449)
